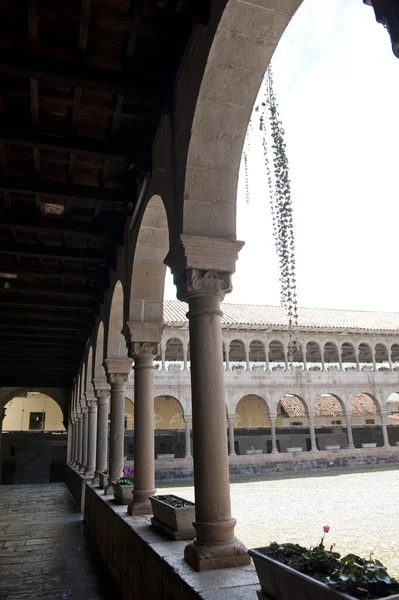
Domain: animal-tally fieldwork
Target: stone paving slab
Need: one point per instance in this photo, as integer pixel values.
(44, 553)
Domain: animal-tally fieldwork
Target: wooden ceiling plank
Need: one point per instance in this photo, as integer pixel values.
(59, 252)
(64, 190)
(32, 23)
(84, 25)
(34, 94)
(78, 229)
(136, 18)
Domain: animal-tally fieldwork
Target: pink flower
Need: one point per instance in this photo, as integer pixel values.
(326, 528)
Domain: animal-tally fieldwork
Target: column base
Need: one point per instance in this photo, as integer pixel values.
(189, 455)
(232, 453)
(141, 504)
(217, 555)
(138, 509)
(90, 473)
(275, 451)
(96, 478)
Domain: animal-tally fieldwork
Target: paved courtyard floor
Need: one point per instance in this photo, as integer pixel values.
(43, 550)
(361, 508)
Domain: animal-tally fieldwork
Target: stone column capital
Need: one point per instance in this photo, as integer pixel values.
(231, 419)
(203, 265)
(150, 349)
(188, 419)
(103, 396)
(118, 369)
(90, 397)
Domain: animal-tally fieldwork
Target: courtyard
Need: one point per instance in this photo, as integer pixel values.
(360, 507)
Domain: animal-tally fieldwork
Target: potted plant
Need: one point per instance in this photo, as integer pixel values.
(252, 450)
(173, 516)
(258, 367)
(278, 368)
(103, 478)
(290, 571)
(123, 488)
(332, 368)
(238, 367)
(315, 368)
(367, 368)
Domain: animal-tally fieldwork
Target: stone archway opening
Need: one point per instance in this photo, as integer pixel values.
(381, 357)
(169, 427)
(330, 422)
(293, 424)
(395, 356)
(237, 355)
(366, 421)
(313, 356)
(331, 356)
(33, 411)
(365, 356)
(257, 356)
(174, 355)
(277, 356)
(349, 357)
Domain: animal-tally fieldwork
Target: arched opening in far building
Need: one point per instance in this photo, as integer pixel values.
(252, 425)
(169, 428)
(366, 422)
(330, 422)
(292, 424)
(33, 440)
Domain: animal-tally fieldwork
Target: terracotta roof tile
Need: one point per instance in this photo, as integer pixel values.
(275, 316)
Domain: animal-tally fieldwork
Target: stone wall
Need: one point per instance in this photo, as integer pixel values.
(145, 564)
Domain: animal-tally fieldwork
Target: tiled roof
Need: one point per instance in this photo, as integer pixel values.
(275, 316)
(292, 407)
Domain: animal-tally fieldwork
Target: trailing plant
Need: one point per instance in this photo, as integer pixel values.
(279, 190)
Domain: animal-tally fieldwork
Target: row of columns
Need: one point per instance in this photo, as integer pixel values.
(311, 418)
(215, 544)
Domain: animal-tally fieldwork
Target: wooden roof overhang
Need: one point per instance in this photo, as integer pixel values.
(83, 85)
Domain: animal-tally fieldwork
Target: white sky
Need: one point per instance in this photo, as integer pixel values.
(337, 85)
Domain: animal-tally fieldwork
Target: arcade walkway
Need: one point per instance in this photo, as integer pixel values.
(43, 550)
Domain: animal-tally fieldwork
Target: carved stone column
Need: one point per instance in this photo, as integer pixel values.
(313, 444)
(247, 367)
(118, 370)
(85, 437)
(187, 435)
(185, 354)
(92, 434)
(69, 439)
(76, 440)
(2, 415)
(80, 437)
(144, 464)
(348, 418)
(215, 545)
(383, 416)
(102, 392)
(227, 352)
(231, 420)
(163, 352)
(273, 417)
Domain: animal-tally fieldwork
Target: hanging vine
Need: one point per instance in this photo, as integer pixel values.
(279, 189)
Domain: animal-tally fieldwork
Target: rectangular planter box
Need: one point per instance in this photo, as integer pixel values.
(165, 456)
(123, 493)
(281, 582)
(333, 448)
(253, 452)
(103, 478)
(296, 449)
(370, 445)
(176, 523)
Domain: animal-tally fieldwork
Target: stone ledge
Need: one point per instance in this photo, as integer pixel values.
(146, 564)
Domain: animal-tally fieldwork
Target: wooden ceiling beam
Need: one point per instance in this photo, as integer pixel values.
(53, 316)
(62, 226)
(34, 324)
(59, 252)
(80, 145)
(113, 198)
(8, 299)
(139, 86)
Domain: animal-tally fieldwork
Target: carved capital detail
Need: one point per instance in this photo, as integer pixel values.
(114, 378)
(196, 282)
(103, 396)
(145, 349)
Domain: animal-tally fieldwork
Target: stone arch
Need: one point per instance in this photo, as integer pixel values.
(394, 351)
(174, 352)
(29, 410)
(257, 352)
(277, 353)
(381, 353)
(98, 358)
(331, 353)
(291, 408)
(115, 342)
(231, 55)
(348, 353)
(168, 413)
(329, 409)
(237, 352)
(365, 354)
(365, 404)
(252, 411)
(147, 281)
(313, 353)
